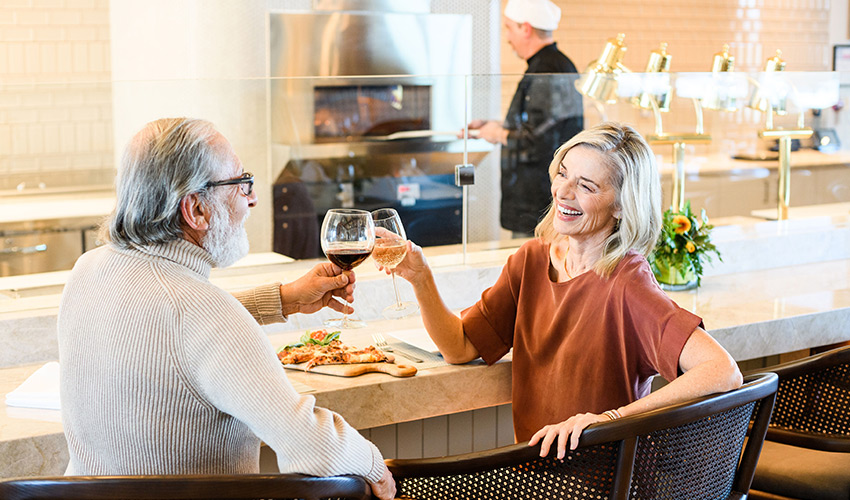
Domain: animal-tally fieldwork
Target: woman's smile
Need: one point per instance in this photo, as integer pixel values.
(568, 213)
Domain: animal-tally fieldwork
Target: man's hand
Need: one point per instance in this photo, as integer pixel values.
(317, 289)
(385, 487)
(494, 133)
(473, 125)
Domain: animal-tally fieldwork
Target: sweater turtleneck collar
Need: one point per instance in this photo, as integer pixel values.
(181, 252)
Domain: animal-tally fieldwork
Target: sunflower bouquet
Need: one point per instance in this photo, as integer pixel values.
(683, 247)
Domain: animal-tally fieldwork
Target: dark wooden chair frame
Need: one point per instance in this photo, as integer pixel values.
(625, 433)
(808, 366)
(277, 486)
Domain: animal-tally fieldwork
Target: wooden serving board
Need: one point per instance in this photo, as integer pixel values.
(357, 369)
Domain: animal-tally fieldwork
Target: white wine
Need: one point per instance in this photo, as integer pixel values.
(389, 252)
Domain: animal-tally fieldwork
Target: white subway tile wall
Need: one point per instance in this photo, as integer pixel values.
(53, 119)
(55, 98)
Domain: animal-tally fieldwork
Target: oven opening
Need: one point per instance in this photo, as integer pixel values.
(349, 113)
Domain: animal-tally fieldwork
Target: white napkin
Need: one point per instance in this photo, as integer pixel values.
(40, 390)
(417, 337)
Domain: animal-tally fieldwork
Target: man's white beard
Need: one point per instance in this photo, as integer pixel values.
(226, 241)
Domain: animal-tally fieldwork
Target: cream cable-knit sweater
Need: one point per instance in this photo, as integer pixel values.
(165, 373)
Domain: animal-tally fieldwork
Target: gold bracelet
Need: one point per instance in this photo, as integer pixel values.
(612, 414)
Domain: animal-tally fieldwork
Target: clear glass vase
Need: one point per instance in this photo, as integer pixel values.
(674, 279)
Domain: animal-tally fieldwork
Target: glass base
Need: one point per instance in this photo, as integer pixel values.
(344, 323)
(401, 310)
(678, 287)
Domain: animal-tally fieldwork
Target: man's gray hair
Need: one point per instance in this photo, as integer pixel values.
(165, 161)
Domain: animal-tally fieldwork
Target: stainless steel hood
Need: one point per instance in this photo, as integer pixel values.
(326, 49)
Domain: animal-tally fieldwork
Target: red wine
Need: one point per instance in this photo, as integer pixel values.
(348, 258)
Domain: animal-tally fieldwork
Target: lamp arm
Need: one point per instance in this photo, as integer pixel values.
(698, 111)
(600, 108)
(656, 112)
(768, 121)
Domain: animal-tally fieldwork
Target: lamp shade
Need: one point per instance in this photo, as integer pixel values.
(770, 91)
(723, 95)
(599, 80)
(656, 81)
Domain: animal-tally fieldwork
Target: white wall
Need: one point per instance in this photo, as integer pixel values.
(199, 58)
(55, 101)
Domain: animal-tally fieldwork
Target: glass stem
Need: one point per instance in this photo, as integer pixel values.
(397, 297)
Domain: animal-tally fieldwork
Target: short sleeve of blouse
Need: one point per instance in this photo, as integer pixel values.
(490, 323)
(662, 327)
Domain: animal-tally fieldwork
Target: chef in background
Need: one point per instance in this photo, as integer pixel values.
(545, 112)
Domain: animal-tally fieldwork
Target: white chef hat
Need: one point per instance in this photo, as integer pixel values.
(540, 14)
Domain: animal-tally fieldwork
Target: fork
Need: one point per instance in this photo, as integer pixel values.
(384, 346)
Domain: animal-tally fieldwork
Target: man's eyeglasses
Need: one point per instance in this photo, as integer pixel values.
(245, 181)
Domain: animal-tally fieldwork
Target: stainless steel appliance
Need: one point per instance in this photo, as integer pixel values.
(38, 247)
(365, 106)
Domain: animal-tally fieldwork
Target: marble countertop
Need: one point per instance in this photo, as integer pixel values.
(90, 206)
(783, 286)
(722, 164)
(752, 314)
(806, 211)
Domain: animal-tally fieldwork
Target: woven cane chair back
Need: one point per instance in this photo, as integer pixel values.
(691, 450)
(587, 473)
(813, 400)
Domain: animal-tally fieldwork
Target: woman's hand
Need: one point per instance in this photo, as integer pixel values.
(413, 267)
(570, 428)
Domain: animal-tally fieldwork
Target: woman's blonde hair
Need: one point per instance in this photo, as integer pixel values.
(634, 176)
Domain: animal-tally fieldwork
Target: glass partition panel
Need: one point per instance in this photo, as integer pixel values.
(56, 146)
(720, 140)
(524, 118)
(374, 142)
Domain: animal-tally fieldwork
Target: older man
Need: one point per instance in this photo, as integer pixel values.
(165, 373)
(545, 112)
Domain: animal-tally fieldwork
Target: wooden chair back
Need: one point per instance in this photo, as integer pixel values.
(247, 486)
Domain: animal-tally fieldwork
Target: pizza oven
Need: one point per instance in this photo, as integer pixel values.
(359, 122)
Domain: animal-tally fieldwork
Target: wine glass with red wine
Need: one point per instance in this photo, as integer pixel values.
(348, 237)
(390, 249)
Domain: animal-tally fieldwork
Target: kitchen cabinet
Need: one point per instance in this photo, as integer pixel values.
(833, 184)
(725, 194)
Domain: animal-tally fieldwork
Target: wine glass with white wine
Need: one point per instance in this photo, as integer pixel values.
(390, 249)
(348, 237)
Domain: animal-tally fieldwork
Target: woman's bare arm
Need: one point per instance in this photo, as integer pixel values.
(707, 368)
(444, 326)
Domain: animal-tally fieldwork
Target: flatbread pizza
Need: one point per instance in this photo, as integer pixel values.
(322, 348)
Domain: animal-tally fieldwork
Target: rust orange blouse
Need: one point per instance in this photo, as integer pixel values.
(586, 345)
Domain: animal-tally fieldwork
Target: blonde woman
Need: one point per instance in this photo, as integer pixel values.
(587, 322)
